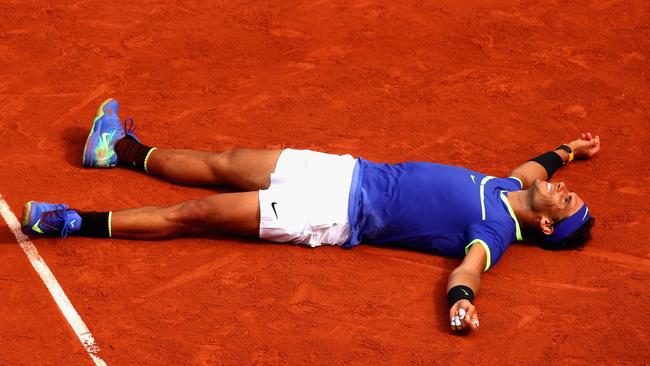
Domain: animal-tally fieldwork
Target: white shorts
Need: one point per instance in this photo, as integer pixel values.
(307, 201)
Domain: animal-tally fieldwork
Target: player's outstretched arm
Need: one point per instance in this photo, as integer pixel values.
(583, 148)
(464, 282)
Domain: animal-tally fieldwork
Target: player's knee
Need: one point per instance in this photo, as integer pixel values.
(225, 159)
(222, 164)
(240, 168)
(192, 216)
(219, 161)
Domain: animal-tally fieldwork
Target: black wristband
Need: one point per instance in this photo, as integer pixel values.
(459, 292)
(566, 148)
(550, 161)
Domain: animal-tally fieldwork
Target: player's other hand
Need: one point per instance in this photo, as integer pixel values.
(463, 316)
(586, 146)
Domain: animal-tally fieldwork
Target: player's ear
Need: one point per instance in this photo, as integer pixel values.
(546, 225)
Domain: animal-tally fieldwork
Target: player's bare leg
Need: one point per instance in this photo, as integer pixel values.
(247, 169)
(234, 213)
(111, 143)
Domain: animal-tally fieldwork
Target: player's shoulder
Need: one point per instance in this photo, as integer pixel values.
(518, 182)
(507, 183)
(501, 225)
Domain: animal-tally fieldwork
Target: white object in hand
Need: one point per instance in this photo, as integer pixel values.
(455, 321)
(461, 314)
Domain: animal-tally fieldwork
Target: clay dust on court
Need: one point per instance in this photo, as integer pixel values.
(482, 84)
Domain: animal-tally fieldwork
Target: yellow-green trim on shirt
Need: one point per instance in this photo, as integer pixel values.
(487, 251)
(482, 192)
(512, 213)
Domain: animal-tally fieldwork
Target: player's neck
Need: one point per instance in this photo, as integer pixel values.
(521, 207)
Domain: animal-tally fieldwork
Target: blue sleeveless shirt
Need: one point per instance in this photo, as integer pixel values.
(432, 207)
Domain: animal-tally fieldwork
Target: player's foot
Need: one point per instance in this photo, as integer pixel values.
(107, 129)
(49, 219)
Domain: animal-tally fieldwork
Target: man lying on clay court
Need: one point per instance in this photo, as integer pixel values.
(313, 198)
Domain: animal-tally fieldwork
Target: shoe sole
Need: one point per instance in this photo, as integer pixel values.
(92, 136)
(26, 224)
(27, 212)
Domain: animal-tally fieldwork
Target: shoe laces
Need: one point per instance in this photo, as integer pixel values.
(129, 126)
(56, 220)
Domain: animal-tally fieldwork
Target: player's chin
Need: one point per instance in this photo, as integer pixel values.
(540, 185)
(541, 189)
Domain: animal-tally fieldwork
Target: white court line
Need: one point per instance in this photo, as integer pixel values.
(52, 285)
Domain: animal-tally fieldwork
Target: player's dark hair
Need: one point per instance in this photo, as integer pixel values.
(576, 240)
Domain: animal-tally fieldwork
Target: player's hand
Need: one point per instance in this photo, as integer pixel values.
(463, 316)
(586, 146)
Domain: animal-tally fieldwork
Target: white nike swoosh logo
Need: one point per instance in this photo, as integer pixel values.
(473, 178)
(106, 137)
(585, 215)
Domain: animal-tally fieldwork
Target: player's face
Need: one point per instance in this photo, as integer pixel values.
(554, 199)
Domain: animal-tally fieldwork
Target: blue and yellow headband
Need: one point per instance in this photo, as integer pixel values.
(568, 226)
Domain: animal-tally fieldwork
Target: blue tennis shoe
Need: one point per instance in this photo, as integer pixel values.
(43, 218)
(107, 129)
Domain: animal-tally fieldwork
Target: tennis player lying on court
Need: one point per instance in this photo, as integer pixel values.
(313, 198)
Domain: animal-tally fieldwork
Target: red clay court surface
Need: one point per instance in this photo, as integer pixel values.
(482, 84)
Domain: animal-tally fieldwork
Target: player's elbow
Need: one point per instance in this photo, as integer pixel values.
(465, 275)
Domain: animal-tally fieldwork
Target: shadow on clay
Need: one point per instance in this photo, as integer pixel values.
(439, 299)
(75, 139)
(6, 237)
